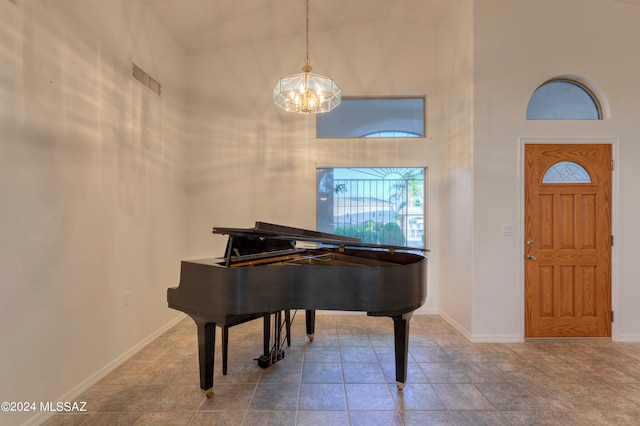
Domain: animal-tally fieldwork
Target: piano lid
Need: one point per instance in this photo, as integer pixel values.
(281, 232)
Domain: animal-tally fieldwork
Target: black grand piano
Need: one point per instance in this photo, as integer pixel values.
(265, 270)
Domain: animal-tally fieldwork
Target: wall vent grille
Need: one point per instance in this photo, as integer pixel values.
(145, 79)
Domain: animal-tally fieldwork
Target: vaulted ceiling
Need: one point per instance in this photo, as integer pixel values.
(200, 25)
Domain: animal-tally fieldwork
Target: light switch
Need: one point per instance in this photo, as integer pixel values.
(507, 229)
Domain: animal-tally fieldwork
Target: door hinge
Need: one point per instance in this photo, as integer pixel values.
(611, 316)
(612, 241)
(613, 165)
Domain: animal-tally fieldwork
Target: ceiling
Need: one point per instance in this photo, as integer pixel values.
(200, 25)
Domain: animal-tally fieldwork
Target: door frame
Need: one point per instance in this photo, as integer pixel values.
(614, 217)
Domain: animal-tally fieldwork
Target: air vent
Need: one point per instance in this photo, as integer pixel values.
(145, 79)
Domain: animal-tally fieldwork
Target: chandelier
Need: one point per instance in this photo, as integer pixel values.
(306, 92)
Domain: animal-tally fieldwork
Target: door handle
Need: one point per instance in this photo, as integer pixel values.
(531, 257)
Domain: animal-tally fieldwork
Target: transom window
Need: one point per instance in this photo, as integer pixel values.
(563, 99)
(374, 117)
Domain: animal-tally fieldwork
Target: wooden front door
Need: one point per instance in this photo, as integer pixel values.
(567, 240)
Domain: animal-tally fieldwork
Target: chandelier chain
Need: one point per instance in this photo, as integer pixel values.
(306, 61)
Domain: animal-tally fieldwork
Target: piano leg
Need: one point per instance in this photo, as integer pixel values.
(266, 335)
(206, 353)
(225, 349)
(401, 338)
(230, 321)
(287, 325)
(310, 317)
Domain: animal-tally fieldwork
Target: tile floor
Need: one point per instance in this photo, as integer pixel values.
(346, 377)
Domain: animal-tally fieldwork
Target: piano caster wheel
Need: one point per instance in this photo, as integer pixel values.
(310, 336)
(209, 394)
(400, 385)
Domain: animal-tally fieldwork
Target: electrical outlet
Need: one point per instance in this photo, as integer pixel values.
(127, 298)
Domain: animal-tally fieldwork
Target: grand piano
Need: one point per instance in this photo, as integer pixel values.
(273, 268)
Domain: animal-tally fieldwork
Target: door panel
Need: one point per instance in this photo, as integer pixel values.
(568, 241)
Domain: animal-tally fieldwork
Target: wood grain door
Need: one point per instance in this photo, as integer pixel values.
(568, 240)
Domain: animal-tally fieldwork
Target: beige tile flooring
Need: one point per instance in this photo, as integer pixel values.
(346, 377)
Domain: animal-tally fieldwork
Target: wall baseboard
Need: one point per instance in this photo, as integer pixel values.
(460, 329)
(81, 387)
(475, 338)
(496, 338)
(631, 338)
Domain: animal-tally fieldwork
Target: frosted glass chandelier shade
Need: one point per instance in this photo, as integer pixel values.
(306, 93)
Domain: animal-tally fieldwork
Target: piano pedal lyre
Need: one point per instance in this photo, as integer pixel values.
(266, 360)
(273, 354)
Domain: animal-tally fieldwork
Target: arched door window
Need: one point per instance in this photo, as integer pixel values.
(563, 99)
(566, 172)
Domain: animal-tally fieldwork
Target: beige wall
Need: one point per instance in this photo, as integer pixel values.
(91, 184)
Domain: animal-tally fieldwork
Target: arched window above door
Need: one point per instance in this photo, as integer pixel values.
(564, 99)
(566, 172)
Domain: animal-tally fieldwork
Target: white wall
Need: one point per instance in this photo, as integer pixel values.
(517, 46)
(455, 140)
(251, 161)
(91, 185)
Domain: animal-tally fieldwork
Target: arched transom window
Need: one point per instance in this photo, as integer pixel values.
(563, 99)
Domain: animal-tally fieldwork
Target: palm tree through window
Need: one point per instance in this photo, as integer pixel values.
(379, 205)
